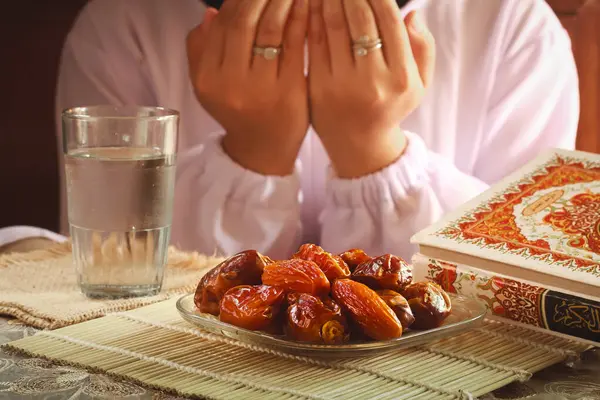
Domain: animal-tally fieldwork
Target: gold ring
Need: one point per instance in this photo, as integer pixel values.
(269, 53)
(364, 45)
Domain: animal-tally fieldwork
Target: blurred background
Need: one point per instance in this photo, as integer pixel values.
(31, 37)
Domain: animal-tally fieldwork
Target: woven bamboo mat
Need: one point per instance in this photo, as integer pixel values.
(40, 288)
(155, 347)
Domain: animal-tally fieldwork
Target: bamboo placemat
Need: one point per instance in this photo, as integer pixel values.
(153, 346)
(40, 288)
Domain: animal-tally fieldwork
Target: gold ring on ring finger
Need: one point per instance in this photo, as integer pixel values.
(269, 53)
(364, 45)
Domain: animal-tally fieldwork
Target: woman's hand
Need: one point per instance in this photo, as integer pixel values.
(260, 101)
(358, 101)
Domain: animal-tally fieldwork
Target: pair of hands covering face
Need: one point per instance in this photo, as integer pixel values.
(355, 104)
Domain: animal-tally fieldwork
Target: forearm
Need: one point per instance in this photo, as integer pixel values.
(264, 155)
(355, 156)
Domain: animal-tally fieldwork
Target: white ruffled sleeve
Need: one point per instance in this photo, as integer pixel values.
(380, 212)
(224, 208)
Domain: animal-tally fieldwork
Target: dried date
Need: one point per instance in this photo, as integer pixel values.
(369, 311)
(354, 258)
(310, 319)
(253, 307)
(296, 276)
(384, 272)
(333, 266)
(244, 268)
(429, 303)
(399, 305)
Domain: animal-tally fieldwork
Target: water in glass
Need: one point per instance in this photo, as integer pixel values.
(120, 203)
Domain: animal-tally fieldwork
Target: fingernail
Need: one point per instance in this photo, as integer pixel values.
(418, 23)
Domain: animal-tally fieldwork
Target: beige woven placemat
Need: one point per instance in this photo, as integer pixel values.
(40, 288)
(155, 347)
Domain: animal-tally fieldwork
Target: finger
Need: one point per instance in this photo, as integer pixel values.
(209, 17)
(239, 20)
(198, 39)
(423, 46)
(396, 49)
(270, 34)
(292, 59)
(362, 24)
(338, 35)
(204, 40)
(318, 48)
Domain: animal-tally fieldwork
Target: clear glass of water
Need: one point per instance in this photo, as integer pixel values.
(120, 177)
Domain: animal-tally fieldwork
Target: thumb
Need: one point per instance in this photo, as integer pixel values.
(423, 46)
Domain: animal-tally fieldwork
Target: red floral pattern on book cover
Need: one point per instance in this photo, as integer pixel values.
(552, 216)
(506, 298)
(580, 219)
(444, 274)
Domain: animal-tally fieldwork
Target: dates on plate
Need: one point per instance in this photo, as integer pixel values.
(399, 305)
(333, 266)
(310, 319)
(369, 311)
(384, 272)
(253, 307)
(429, 303)
(354, 257)
(296, 276)
(244, 268)
(322, 298)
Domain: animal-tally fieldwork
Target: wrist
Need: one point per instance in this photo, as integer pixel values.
(262, 155)
(355, 156)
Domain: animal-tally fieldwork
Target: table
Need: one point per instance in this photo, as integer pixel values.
(30, 378)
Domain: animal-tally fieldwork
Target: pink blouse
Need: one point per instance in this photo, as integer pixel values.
(505, 88)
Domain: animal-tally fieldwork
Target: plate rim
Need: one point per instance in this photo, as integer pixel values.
(335, 348)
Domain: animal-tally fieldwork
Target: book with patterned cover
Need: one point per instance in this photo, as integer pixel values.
(540, 225)
(518, 301)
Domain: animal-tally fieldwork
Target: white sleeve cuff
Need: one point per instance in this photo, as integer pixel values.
(394, 183)
(244, 186)
(15, 233)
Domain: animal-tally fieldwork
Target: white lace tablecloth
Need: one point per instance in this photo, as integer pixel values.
(35, 379)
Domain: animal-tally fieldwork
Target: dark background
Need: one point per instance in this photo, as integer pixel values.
(31, 37)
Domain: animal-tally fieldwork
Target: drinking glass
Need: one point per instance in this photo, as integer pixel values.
(120, 177)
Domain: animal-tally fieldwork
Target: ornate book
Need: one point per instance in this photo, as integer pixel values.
(540, 225)
(518, 301)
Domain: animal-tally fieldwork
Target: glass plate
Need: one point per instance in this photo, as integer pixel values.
(466, 314)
